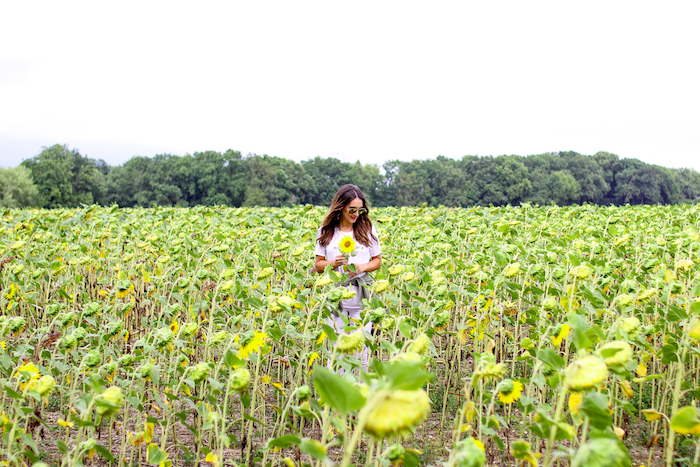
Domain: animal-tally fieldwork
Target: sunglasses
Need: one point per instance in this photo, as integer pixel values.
(360, 210)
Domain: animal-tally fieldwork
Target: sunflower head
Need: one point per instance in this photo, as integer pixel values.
(350, 343)
(509, 391)
(110, 401)
(559, 333)
(239, 379)
(585, 373)
(397, 412)
(616, 353)
(347, 245)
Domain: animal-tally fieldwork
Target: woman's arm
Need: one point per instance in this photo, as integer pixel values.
(321, 262)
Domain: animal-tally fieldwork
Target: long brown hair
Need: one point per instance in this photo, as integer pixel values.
(362, 228)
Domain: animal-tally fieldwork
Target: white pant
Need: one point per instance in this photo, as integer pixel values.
(352, 309)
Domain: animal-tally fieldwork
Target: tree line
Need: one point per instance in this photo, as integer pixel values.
(62, 177)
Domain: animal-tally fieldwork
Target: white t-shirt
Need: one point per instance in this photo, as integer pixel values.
(363, 254)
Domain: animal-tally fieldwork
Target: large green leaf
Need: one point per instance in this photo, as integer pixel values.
(336, 391)
(686, 421)
(551, 358)
(595, 406)
(284, 441)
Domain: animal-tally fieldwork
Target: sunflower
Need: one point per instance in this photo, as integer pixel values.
(251, 344)
(560, 333)
(396, 413)
(27, 375)
(585, 373)
(575, 399)
(509, 391)
(347, 245)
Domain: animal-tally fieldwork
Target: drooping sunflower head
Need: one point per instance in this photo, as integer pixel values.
(616, 353)
(347, 245)
(349, 343)
(585, 373)
(397, 412)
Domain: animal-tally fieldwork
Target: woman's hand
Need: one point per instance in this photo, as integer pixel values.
(358, 269)
(339, 260)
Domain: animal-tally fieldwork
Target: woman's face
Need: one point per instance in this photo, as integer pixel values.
(352, 211)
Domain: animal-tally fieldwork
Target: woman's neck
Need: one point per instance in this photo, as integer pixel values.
(344, 227)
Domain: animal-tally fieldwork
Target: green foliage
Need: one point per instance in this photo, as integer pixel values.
(17, 190)
(65, 178)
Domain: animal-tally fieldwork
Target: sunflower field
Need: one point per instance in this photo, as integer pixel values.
(501, 336)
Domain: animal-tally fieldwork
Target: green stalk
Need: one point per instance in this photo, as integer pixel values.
(674, 405)
(553, 429)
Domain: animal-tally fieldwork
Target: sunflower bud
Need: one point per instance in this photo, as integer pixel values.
(16, 324)
(265, 273)
(219, 337)
(92, 358)
(396, 412)
(386, 323)
(377, 315)
(408, 276)
(278, 304)
(239, 379)
(126, 360)
(420, 345)
(45, 385)
(581, 272)
(506, 387)
(227, 286)
(396, 270)
(381, 286)
(511, 270)
(146, 370)
(395, 453)
(549, 303)
(348, 294)
(110, 401)
(625, 300)
(323, 280)
(350, 343)
(628, 324)
(648, 294)
(407, 357)
(199, 372)
(487, 368)
(188, 329)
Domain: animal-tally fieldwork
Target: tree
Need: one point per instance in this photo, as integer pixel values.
(688, 182)
(563, 188)
(501, 180)
(17, 190)
(589, 176)
(641, 183)
(64, 177)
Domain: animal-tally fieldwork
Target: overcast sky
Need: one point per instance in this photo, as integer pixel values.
(368, 81)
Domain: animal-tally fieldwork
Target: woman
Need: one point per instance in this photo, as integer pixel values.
(348, 216)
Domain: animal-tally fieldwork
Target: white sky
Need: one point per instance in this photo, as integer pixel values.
(368, 81)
